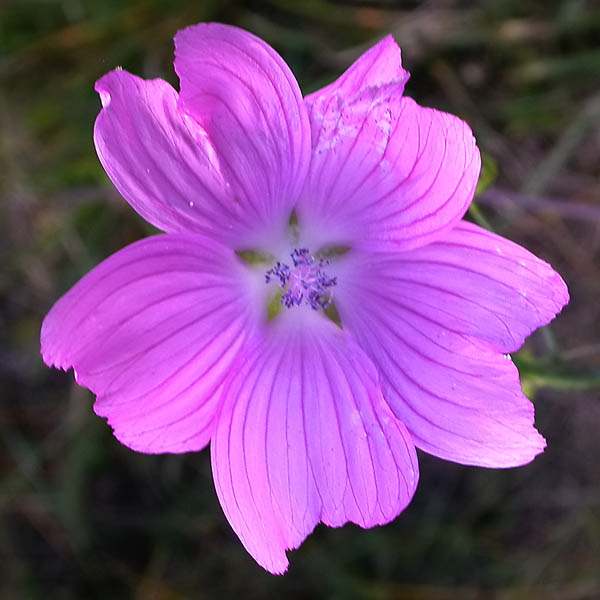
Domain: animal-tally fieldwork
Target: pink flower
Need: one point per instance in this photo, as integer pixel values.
(374, 319)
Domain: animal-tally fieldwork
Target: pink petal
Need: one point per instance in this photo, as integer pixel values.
(435, 321)
(159, 159)
(305, 436)
(247, 99)
(153, 331)
(476, 283)
(378, 66)
(385, 173)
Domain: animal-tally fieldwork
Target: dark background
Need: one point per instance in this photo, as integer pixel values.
(83, 517)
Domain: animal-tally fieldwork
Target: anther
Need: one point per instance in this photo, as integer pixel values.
(305, 282)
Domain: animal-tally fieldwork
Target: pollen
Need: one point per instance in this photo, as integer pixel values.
(305, 282)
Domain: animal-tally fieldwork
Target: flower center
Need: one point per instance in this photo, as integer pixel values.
(305, 282)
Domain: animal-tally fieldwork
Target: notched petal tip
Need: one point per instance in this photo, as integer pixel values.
(121, 83)
(109, 83)
(305, 436)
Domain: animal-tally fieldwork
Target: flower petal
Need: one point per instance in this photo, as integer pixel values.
(153, 331)
(476, 283)
(386, 173)
(242, 92)
(435, 322)
(159, 159)
(380, 65)
(305, 436)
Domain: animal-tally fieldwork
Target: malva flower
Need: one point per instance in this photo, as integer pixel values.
(316, 307)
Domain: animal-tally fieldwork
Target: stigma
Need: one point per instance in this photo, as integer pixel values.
(305, 282)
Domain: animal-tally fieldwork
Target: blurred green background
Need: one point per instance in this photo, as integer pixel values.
(83, 517)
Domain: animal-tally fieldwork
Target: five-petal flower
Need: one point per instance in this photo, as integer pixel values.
(316, 307)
